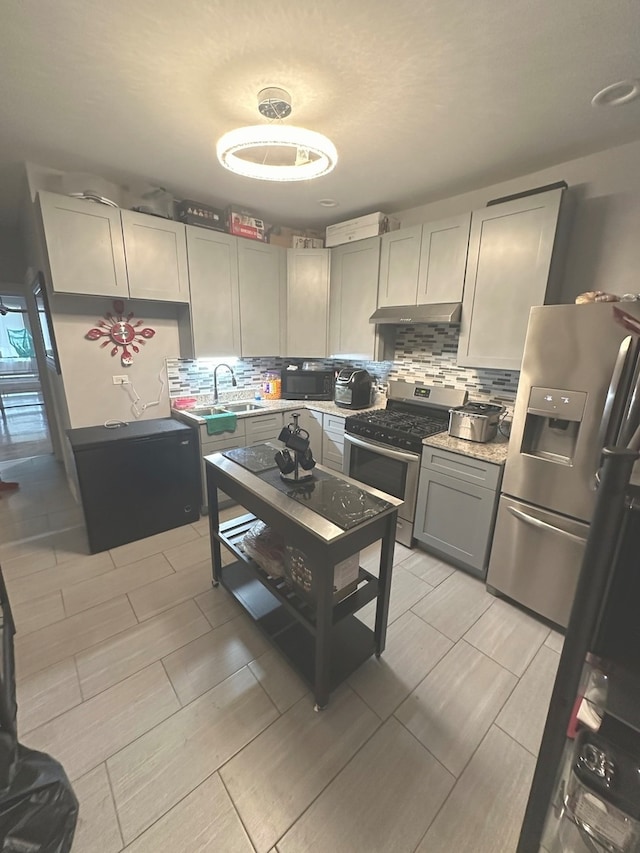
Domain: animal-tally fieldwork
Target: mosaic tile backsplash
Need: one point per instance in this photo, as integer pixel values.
(422, 353)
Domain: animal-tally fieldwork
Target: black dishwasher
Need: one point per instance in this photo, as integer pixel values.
(136, 479)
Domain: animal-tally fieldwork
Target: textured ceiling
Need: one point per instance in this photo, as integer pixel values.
(422, 98)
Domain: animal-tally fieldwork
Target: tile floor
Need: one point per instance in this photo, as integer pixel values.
(182, 730)
(23, 427)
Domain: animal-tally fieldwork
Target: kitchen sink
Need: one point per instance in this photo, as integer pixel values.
(206, 410)
(242, 406)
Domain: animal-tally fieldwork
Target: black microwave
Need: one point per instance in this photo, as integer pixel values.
(307, 384)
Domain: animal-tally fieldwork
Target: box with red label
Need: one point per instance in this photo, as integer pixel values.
(245, 224)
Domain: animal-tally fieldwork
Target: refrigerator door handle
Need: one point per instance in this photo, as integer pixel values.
(544, 525)
(606, 435)
(615, 400)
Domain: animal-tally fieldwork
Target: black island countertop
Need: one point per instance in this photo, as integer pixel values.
(253, 469)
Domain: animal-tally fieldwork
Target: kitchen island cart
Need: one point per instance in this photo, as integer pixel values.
(320, 636)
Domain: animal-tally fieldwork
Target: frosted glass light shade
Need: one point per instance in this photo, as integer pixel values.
(280, 136)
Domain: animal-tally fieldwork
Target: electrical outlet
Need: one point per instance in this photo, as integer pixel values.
(121, 380)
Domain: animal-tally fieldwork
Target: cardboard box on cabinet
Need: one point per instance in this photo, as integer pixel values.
(351, 230)
(301, 242)
(295, 238)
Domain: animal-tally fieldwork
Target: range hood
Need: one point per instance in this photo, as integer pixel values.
(412, 315)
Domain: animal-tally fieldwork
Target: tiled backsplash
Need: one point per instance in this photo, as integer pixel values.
(423, 353)
(196, 377)
(428, 354)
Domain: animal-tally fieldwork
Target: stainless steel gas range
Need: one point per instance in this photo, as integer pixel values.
(382, 448)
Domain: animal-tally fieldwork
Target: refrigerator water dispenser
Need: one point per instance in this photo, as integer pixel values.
(552, 424)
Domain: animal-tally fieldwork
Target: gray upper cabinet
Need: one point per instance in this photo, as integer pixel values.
(399, 265)
(443, 259)
(156, 254)
(354, 295)
(262, 278)
(307, 303)
(215, 306)
(84, 245)
(424, 264)
(514, 263)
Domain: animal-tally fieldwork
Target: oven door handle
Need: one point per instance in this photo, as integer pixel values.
(544, 525)
(383, 451)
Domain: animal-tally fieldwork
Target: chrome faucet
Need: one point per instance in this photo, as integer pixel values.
(215, 379)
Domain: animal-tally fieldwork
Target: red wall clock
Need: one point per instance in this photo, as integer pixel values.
(121, 331)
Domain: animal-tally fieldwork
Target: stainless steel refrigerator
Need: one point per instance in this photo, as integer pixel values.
(576, 390)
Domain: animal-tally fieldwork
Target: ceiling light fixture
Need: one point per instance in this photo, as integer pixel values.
(276, 152)
(617, 94)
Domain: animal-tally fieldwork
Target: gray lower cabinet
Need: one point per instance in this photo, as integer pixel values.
(333, 441)
(454, 515)
(262, 282)
(514, 262)
(215, 301)
(216, 444)
(261, 428)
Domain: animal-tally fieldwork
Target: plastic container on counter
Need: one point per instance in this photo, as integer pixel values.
(272, 385)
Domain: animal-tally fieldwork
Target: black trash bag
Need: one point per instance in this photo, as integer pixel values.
(38, 810)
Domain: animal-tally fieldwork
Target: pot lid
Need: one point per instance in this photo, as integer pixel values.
(472, 408)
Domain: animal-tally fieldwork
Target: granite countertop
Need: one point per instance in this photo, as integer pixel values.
(327, 406)
(492, 451)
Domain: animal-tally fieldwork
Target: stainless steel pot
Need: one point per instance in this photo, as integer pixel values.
(475, 421)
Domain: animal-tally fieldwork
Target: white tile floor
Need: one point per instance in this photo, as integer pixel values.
(182, 730)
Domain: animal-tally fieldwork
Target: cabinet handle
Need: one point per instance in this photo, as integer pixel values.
(544, 525)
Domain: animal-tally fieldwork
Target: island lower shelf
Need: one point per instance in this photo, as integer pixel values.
(352, 642)
(231, 534)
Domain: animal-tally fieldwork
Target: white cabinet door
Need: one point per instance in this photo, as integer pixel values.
(262, 275)
(156, 253)
(217, 444)
(443, 259)
(353, 298)
(307, 302)
(84, 246)
(215, 300)
(261, 428)
(333, 441)
(399, 263)
(511, 248)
